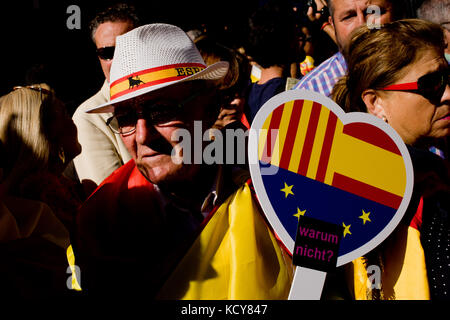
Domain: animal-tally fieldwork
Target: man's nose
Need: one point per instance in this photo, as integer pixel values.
(145, 131)
(361, 18)
(446, 94)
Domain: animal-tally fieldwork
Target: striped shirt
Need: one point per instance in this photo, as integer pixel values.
(323, 78)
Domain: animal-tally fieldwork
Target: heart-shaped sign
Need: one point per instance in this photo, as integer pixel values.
(309, 158)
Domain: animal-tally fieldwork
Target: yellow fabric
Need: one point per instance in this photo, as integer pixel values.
(236, 256)
(24, 218)
(404, 275)
(71, 259)
(307, 65)
(255, 74)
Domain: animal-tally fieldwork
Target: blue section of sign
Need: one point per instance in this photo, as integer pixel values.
(292, 194)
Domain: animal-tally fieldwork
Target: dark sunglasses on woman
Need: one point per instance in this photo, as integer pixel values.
(431, 85)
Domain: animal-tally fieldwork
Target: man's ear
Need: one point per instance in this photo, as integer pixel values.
(374, 103)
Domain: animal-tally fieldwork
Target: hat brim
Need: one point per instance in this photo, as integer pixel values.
(215, 71)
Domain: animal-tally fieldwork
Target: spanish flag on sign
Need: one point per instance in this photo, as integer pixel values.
(352, 175)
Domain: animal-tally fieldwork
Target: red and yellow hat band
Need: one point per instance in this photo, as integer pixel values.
(153, 76)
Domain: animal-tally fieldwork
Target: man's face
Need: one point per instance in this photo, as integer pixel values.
(446, 28)
(351, 14)
(105, 36)
(151, 143)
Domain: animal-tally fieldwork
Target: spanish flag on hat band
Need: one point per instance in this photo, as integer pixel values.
(153, 76)
(152, 57)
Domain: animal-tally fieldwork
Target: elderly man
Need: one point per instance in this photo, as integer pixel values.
(166, 228)
(346, 16)
(102, 151)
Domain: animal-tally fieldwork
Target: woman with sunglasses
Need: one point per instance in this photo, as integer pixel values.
(399, 74)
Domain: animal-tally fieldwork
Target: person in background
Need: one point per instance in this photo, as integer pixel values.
(165, 227)
(33, 248)
(399, 74)
(437, 11)
(234, 85)
(102, 151)
(39, 139)
(317, 46)
(317, 13)
(345, 16)
(273, 45)
(38, 204)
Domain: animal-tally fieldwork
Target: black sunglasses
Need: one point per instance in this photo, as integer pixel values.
(105, 53)
(430, 86)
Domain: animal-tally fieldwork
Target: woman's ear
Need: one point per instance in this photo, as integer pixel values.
(374, 103)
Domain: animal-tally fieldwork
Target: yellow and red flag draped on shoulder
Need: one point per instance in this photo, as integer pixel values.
(236, 256)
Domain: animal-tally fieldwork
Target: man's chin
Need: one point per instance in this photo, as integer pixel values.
(167, 175)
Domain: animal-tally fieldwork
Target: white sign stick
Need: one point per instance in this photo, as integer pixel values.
(307, 284)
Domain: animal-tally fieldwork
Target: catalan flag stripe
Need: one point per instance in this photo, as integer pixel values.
(309, 139)
(291, 134)
(274, 125)
(263, 134)
(326, 149)
(334, 152)
(281, 138)
(300, 136)
(318, 143)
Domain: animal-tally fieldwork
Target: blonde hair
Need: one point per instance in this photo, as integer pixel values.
(377, 58)
(23, 115)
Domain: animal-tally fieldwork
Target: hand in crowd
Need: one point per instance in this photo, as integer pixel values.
(314, 12)
(318, 12)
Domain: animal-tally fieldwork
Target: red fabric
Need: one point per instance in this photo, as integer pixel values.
(127, 175)
(244, 121)
(122, 243)
(416, 221)
(125, 193)
(58, 192)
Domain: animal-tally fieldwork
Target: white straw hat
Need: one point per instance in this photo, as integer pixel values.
(152, 57)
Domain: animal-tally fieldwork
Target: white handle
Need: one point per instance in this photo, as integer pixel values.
(307, 284)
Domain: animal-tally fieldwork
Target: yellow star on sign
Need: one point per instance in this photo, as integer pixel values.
(346, 229)
(287, 190)
(299, 213)
(365, 217)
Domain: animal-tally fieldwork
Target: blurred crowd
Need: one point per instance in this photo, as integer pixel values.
(92, 202)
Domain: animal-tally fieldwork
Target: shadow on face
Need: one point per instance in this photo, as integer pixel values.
(155, 137)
